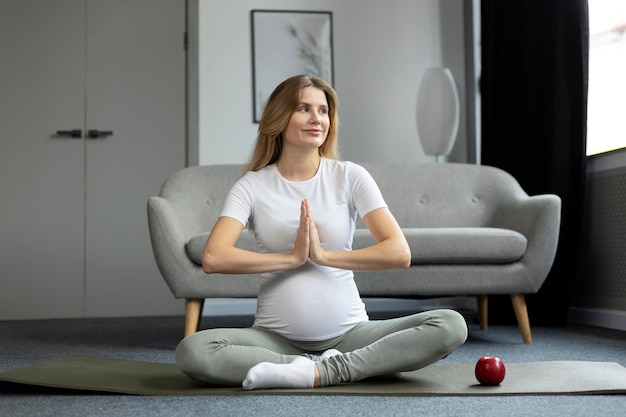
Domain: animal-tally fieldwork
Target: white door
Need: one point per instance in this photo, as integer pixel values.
(73, 231)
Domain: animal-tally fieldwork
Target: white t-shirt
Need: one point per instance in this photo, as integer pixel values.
(311, 302)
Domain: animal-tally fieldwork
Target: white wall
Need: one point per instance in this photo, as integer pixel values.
(381, 49)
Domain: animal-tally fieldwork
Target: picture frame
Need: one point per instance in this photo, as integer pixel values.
(287, 43)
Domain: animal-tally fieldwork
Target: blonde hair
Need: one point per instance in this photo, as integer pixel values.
(276, 114)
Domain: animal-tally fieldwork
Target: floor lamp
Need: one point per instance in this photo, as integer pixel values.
(438, 113)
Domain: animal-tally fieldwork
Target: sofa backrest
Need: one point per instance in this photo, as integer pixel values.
(419, 195)
(444, 195)
(199, 192)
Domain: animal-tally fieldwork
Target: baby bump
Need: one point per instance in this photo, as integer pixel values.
(310, 303)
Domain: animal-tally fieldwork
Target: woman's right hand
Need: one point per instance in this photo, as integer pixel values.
(222, 256)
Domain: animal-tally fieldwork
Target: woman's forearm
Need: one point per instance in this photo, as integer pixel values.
(233, 260)
(391, 251)
(383, 255)
(222, 256)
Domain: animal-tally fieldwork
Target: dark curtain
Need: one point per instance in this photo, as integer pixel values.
(534, 107)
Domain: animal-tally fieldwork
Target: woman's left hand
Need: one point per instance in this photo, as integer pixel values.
(316, 252)
(391, 251)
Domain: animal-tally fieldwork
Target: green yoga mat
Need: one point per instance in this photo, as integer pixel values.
(91, 373)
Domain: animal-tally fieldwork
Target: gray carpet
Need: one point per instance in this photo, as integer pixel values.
(154, 340)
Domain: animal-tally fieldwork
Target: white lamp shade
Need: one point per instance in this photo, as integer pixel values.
(437, 111)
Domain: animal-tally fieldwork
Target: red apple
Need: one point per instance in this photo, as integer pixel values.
(489, 370)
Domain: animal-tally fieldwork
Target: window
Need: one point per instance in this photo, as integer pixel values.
(606, 114)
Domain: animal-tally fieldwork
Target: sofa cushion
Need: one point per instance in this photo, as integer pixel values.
(457, 245)
(437, 245)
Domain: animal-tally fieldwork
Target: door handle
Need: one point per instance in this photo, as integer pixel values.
(74, 133)
(98, 134)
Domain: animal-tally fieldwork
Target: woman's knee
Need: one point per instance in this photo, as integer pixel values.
(189, 356)
(195, 356)
(455, 328)
(220, 356)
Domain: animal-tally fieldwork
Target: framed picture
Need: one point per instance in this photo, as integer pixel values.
(287, 43)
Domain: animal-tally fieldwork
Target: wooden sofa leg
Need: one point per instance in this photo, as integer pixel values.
(193, 314)
(483, 314)
(521, 313)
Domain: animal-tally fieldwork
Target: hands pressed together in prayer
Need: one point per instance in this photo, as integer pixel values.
(307, 244)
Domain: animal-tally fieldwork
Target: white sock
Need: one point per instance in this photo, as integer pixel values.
(330, 352)
(299, 373)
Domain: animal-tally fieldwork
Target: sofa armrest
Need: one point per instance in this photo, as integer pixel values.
(538, 218)
(168, 245)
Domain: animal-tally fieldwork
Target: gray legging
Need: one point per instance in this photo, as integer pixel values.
(372, 348)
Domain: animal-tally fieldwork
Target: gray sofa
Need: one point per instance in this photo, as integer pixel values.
(472, 230)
